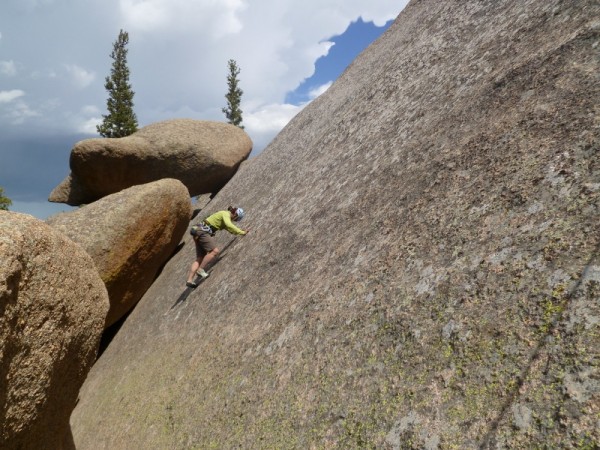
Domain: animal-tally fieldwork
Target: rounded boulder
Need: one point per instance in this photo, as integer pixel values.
(203, 155)
(129, 235)
(52, 309)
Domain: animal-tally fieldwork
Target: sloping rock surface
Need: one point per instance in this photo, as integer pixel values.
(52, 309)
(422, 269)
(129, 235)
(203, 155)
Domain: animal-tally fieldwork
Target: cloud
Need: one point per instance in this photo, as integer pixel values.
(219, 18)
(43, 73)
(88, 126)
(8, 68)
(84, 121)
(177, 53)
(264, 122)
(81, 77)
(16, 111)
(30, 5)
(20, 112)
(90, 110)
(270, 117)
(9, 96)
(314, 93)
(145, 16)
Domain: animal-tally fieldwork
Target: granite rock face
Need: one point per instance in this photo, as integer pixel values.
(203, 155)
(52, 309)
(422, 269)
(129, 235)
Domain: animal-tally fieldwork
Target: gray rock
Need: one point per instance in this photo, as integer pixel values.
(400, 434)
(203, 155)
(521, 416)
(52, 309)
(129, 235)
(399, 185)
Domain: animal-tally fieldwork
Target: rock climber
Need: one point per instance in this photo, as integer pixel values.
(203, 234)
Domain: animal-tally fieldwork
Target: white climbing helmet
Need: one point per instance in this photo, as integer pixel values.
(240, 213)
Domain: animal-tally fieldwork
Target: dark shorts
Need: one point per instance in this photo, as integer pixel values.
(205, 243)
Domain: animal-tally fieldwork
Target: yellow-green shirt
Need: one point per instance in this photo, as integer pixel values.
(222, 221)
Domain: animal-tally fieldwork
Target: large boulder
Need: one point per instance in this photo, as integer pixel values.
(423, 264)
(203, 155)
(52, 309)
(129, 235)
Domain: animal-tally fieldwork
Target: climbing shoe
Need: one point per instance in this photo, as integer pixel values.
(202, 273)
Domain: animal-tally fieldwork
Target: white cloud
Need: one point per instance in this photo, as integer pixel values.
(270, 117)
(86, 120)
(145, 15)
(19, 112)
(89, 126)
(90, 110)
(81, 77)
(183, 16)
(9, 96)
(263, 123)
(43, 73)
(177, 55)
(314, 93)
(8, 68)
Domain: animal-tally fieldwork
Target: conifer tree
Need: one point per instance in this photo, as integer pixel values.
(234, 96)
(120, 121)
(5, 202)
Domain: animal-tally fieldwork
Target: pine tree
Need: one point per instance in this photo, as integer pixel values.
(121, 120)
(5, 202)
(234, 95)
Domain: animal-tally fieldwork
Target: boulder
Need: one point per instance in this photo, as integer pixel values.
(423, 264)
(52, 309)
(129, 235)
(203, 155)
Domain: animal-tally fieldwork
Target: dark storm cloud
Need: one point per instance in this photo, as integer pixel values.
(31, 167)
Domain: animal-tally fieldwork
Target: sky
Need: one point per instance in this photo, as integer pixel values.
(55, 55)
